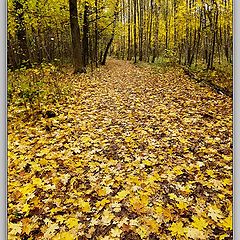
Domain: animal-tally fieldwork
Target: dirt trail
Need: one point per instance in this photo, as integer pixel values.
(132, 155)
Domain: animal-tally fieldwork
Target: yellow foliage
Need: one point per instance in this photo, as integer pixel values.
(199, 223)
(72, 222)
(64, 236)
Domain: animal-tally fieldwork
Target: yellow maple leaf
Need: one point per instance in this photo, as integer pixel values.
(50, 230)
(36, 201)
(116, 232)
(182, 205)
(152, 224)
(116, 207)
(128, 139)
(83, 127)
(159, 210)
(199, 223)
(36, 167)
(60, 219)
(177, 229)
(182, 140)
(28, 226)
(147, 162)
(151, 180)
(86, 140)
(222, 237)
(107, 217)
(210, 172)
(63, 236)
(26, 208)
(215, 213)
(54, 210)
(134, 179)
(15, 228)
(43, 162)
(85, 206)
(167, 214)
(177, 170)
(172, 196)
(101, 192)
(142, 231)
(102, 203)
(221, 196)
(144, 199)
(227, 223)
(195, 233)
(186, 189)
(227, 181)
(72, 222)
(28, 188)
(137, 205)
(122, 194)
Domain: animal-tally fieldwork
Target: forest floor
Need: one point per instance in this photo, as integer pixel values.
(127, 154)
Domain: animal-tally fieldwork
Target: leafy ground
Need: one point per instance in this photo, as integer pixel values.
(121, 153)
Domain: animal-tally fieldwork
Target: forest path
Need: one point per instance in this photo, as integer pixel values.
(132, 155)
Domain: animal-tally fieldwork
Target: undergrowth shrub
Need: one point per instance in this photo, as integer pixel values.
(31, 92)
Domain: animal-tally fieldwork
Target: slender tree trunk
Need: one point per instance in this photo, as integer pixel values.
(157, 10)
(198, 40)
(129, 30)
(22, 52)
(135, 30)
(75, 32)
(112, 36)
(150, 32)
(166, 25)
(175, 23)
(124, 24)
(85, 53)
(140, 31)
(96, 33)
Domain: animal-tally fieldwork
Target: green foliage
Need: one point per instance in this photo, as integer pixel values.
(221, 75)
(32, 89)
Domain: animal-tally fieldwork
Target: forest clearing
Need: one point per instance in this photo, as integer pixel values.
(120, 119)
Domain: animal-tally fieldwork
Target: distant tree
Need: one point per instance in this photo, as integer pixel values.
(112, 35)
(85, 41)
(22, 50)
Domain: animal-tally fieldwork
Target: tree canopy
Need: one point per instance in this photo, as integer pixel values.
(190, 31)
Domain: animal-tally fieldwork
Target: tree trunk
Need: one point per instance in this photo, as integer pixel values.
(22, 52)
(75, 32)
(166, 25)
(129, 31)
(150, 32)
(96, 33)
(157, 10)
(106, 50)
(135, 30)
(141, 31)
(85, 52)
(112, 36)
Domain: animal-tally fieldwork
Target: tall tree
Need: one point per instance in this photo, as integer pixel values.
(112, 35)
(85, 41)
(76, 42)
(96, 33)
(135, 29)
(129, 30)
(22, 51)
(140, 30)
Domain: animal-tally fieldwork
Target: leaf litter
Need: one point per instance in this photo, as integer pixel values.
(129, 154)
